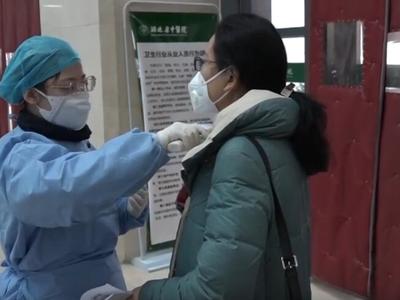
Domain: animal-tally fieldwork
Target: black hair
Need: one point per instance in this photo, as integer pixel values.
(309, 141)
(253, 46)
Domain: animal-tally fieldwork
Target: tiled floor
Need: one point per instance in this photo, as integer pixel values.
(323, 292)
(136, 277)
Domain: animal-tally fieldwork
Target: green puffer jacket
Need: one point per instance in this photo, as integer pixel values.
(227, 245)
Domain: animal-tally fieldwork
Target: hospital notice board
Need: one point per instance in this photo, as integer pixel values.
(166, 44)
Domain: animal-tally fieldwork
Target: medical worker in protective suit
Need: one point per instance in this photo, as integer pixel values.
(63, 204)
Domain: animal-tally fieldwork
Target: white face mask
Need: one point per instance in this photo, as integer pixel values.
(70, 111)
(199, 97)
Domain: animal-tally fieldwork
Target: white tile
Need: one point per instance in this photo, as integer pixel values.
(135, 277)
(84, 39)
(321, 291)
(66, 13)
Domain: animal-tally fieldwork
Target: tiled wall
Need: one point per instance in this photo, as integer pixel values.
(78, 22)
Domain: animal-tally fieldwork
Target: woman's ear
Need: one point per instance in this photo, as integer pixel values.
(31, 96)
(233, 83)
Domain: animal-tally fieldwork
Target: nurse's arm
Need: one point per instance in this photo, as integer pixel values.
(46, 186)
(126, 220)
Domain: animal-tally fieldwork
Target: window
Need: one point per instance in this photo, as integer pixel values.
(344, 53)
(393, 63)
(287, 13)
(288, 16)
(295, 49)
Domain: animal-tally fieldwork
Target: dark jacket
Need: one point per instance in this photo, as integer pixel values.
(227, 245)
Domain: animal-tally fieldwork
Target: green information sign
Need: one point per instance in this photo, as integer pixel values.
(173, 27)
(296, 72)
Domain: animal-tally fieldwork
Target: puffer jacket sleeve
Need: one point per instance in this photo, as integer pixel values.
(47, 186)
(239, 212)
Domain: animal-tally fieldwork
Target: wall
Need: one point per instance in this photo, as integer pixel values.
(80, 27)
(262, 8)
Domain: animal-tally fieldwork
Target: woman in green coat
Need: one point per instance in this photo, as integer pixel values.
(228, 245)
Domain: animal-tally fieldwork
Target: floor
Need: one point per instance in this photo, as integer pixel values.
(136, 277)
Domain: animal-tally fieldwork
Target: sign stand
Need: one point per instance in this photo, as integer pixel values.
(153, 261)
(161, 40)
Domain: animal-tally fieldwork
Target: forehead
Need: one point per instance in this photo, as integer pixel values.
(73, 72)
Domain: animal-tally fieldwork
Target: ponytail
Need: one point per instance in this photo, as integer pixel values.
(309, 141)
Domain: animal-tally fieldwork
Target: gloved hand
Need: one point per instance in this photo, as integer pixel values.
(138, 203)
(190, 135)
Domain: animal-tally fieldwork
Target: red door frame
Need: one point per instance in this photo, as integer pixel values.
(343, 198)
(387, 234)
(19, 19)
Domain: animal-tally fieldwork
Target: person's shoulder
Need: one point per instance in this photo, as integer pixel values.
(19, 136)
(28, 144)
(237, 153)
(236, 146)
(240, 151)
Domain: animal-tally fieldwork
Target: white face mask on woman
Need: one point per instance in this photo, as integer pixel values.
(69, 111)
(199, 97)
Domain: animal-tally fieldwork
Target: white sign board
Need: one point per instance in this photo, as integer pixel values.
(166, 45)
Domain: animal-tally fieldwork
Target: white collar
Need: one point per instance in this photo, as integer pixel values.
(230, 113)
